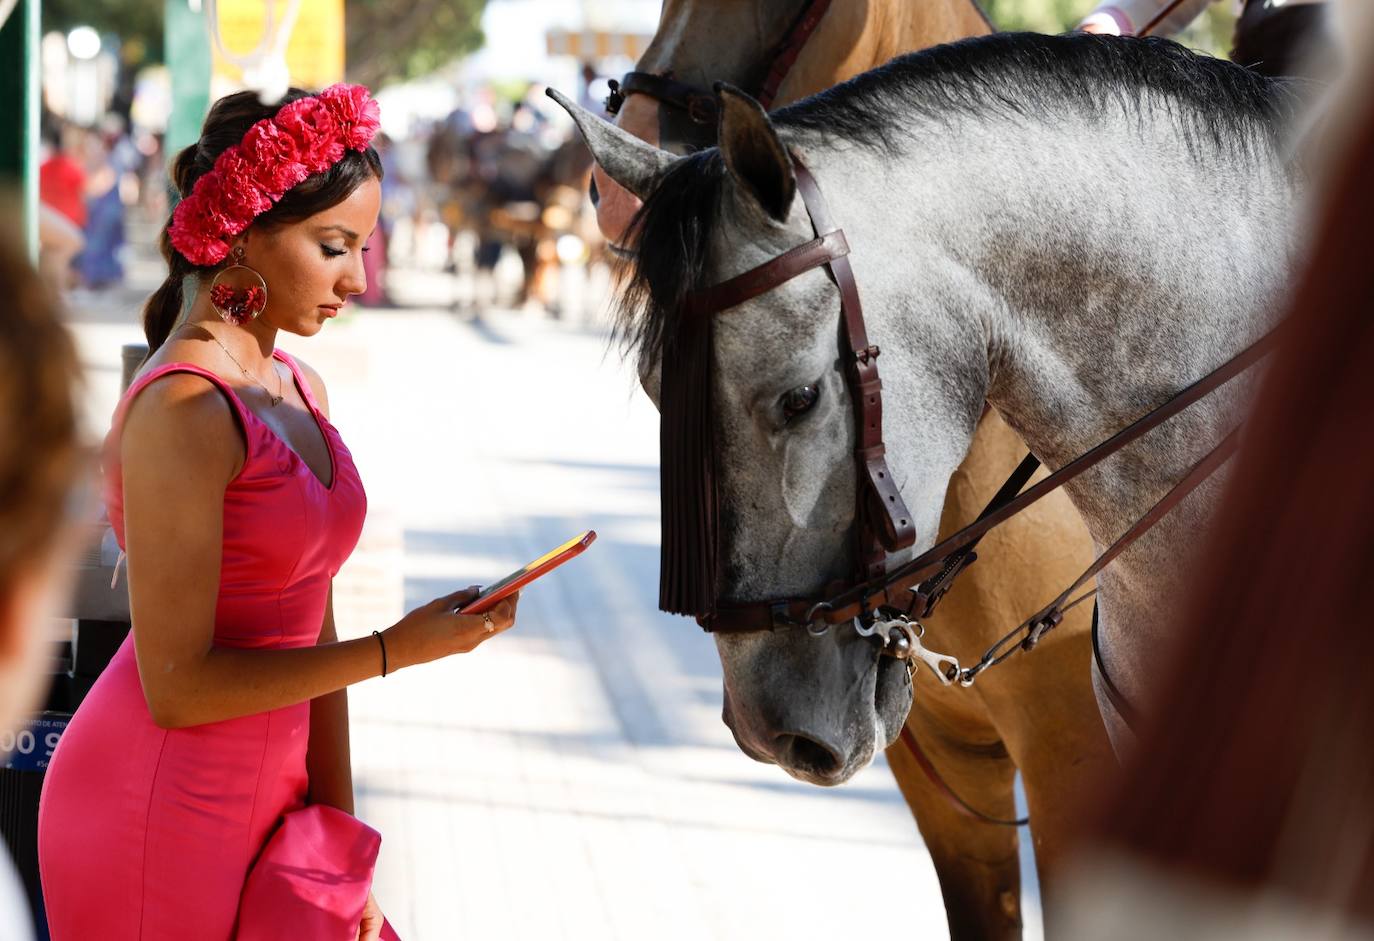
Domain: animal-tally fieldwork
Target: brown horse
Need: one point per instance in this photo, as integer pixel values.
(1037, 713)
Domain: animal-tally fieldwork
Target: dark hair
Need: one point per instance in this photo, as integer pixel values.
(40, 458)
(225, 126)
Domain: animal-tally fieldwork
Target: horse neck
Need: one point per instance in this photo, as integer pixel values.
(856, 37)
(1093, 296)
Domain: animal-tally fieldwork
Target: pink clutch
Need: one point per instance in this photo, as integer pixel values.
(312, 879)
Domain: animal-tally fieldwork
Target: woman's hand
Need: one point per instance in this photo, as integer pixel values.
(370, 928)
(435, 631)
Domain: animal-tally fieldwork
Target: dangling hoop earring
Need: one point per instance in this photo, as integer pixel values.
(238, 293)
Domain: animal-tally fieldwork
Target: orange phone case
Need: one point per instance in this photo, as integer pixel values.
(518, 579)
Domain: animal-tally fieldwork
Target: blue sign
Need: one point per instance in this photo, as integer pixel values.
(31, 748)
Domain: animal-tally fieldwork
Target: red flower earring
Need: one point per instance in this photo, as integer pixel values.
(238, 293)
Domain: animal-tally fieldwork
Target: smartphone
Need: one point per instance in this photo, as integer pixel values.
(523, 576)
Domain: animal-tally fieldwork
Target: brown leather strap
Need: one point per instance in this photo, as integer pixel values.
(819, 251)
(889, 590)
(699, 103)
(1115, 696)
(1158, 18)
(791, 48)
(881, 511)
(909, 740)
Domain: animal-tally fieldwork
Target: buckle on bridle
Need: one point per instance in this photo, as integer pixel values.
(866, 354)
(615, 99)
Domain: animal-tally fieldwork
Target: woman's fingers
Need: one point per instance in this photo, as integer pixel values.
(370, 927)
(503, 615)
(456, 600)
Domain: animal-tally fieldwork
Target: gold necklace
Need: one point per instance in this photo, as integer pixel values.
(272, 399)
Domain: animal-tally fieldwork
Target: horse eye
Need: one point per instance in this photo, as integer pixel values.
(799, 400)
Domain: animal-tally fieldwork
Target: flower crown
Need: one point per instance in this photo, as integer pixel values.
(307, 136)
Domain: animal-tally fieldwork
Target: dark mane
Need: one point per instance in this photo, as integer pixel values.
(1030, 75)
(1218, 107)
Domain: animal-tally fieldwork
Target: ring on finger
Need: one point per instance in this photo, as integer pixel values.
(486, 622)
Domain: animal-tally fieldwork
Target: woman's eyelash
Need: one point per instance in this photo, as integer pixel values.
(333, 252)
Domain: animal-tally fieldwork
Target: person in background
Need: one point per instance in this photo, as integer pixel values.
(41, 467)
(1277, 38)
(106, 164)
(62, 204)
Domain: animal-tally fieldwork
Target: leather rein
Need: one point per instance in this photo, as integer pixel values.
(890, 604)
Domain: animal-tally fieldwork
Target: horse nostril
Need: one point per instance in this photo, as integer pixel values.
(807, 755)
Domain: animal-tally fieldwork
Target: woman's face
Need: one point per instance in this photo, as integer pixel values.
(312, 266)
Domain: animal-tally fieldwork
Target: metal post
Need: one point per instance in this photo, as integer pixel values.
(19, 100)
(187, 41)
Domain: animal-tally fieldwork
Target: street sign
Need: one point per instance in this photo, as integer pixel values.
(592, 45)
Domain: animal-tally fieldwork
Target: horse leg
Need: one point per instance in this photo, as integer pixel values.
(976, 862)
(1056, 740)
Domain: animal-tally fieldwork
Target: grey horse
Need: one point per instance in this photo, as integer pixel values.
(1069, 229)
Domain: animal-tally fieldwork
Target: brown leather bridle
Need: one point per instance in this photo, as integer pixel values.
(700, 103)
(890, 604)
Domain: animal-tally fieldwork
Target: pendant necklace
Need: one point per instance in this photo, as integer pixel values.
(273, 399)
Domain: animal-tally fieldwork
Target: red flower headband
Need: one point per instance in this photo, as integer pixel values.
(307, 136)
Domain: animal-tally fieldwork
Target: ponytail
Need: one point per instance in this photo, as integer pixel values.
(163, 309)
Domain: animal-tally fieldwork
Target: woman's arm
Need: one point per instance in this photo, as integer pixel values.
(328, 759)
(181, 447)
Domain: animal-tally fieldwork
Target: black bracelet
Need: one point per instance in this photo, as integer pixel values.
(378, 635)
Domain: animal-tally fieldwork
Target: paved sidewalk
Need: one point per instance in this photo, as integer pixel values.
(572, 779)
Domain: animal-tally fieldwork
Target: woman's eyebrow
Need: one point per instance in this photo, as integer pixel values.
(348, 232)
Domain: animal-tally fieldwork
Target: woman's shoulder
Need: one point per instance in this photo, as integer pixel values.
(315, 381)
(182, 410)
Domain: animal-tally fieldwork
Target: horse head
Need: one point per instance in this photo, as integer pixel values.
(768, 506)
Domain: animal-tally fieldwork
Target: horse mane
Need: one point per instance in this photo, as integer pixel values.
(1031, 75)
(1218, 106)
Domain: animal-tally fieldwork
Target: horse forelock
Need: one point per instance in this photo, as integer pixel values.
(669, 242)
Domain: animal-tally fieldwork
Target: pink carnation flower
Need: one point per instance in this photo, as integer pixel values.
(274, 159)
(354, 109)
(316, 132)
(241, 199)
(195, 231)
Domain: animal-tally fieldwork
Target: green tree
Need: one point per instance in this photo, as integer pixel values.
(1210, 32)
(386, 39)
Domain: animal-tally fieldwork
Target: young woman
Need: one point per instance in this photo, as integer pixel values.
(236, 501)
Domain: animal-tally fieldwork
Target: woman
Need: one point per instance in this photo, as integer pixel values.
(236, 501)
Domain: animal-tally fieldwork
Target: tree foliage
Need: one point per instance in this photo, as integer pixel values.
(1210, 32)
(388, 40)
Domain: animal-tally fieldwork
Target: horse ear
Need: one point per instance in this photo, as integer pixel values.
(634, 164)
(754, 153)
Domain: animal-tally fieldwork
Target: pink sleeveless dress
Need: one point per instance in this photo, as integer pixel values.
(149, 833)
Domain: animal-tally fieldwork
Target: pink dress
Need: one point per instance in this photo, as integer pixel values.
(149, 833)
